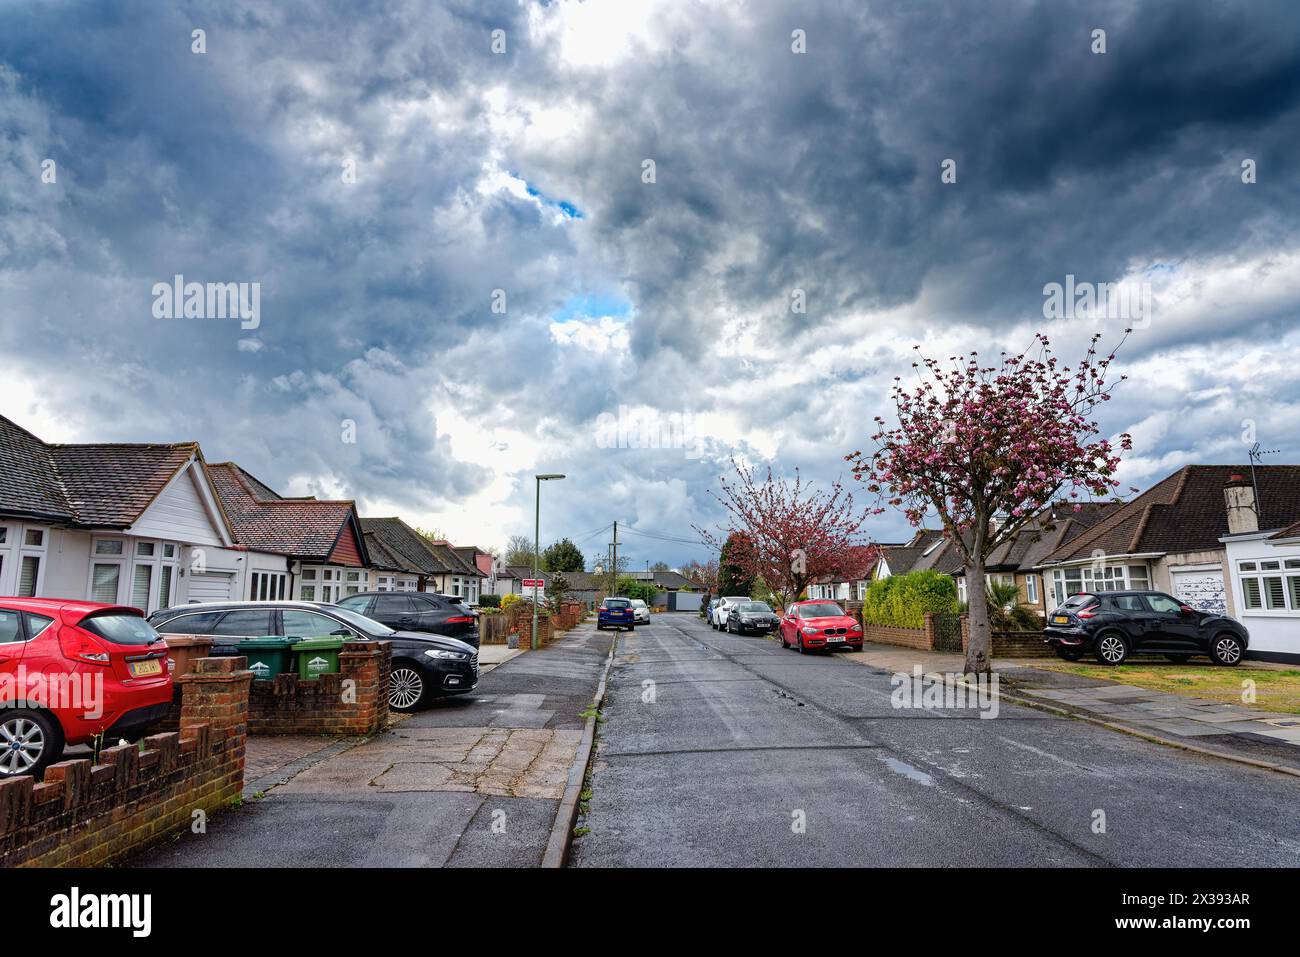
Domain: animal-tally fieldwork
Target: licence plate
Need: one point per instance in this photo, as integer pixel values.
(142, 669)
(834, 637)
(1060, 620)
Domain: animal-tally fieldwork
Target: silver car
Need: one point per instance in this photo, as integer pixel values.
(718, 617)
(641, 610)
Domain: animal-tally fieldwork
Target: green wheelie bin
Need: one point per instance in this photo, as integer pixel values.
(317, 656)
(268, 656)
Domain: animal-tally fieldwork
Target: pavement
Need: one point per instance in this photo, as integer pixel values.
(490, 656)
(1248, 734)
(721, 750)
(474, 780)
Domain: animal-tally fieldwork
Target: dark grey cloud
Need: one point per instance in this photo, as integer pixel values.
(775, 171)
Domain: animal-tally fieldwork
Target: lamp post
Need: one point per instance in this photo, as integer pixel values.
(537, 534)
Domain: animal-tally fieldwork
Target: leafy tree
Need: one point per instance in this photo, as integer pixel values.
(978, 442)
(519, 550)
(563, 556)
(660, 567)
(629, 587)
(733, 579)
(558, 589)
(432, 534)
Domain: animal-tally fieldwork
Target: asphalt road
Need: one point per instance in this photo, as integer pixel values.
(737, 742)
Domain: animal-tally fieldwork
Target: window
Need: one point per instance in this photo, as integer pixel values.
(394, 605)
(29, 576)
(310, 624)
(37, 624)
(1098, 578)
(121, 629)
(326, 584)
(103, 582)
(961, 589)
(145, 549)
(11, 629)
(1128, 603)
(34, 537)
(197, 624)
(267, 586)
(141, 580)
(1270, 585)
(352, 583)
(385, 583)
(246, 623)
(1164, 605)
(108, 546)
(1031, 589)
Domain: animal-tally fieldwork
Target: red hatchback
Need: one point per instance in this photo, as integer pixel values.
(71, 670)
(808, 625)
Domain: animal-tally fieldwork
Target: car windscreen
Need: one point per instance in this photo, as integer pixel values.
(120, 628)
(754, 606)
(823, 609)
(361, 622)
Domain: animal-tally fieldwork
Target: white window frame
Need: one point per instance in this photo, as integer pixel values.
(1031, 589)
(128, 558)
(15, 548)
(327, 582)
(276, 583)
(1284, 568)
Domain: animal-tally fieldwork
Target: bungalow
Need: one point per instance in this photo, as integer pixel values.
(1171, 537)
(321, 544)
(1263, 568)
(850, 582)
(131, 524)
(462, 576)
(401, 558)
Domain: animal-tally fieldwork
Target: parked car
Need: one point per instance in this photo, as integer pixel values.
(89, 668)
(417, 611)
(751, 616)
(718, 616)
(640, 611)
(1111, 626)
(809, 625)
(425, 665)
(615, 613)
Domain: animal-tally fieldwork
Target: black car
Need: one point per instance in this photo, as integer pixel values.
(1114, 625)
(751, 616)
(417, 611)
(425, 666)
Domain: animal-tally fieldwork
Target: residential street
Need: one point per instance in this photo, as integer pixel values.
(712, 763)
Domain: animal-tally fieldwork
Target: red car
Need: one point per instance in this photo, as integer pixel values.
(71, 670)
(818, 623)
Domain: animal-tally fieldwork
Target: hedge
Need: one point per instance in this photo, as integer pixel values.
(901, 601)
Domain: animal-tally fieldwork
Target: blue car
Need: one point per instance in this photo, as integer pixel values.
(615, 613)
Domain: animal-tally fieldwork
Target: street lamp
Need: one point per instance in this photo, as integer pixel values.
(537, 533)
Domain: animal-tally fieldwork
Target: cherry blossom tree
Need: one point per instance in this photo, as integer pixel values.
(792, 532)
(988, 447)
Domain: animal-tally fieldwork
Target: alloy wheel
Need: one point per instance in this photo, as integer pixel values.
(22, 742)
(1228, 650)
(405, 688)
(1112, 649)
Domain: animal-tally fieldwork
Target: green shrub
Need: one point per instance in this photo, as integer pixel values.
(489, 601)
(509, 601)
(901, 601)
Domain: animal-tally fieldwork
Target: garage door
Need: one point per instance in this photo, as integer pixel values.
(1202, 589)
(212, 586)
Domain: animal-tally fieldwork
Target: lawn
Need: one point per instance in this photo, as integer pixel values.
(1274, 690)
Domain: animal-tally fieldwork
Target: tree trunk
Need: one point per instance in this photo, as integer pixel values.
(979, 650)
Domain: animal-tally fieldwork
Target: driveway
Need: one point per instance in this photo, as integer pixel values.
(472, 781)
(721, 750)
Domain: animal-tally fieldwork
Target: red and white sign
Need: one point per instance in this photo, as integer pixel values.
(534, 583)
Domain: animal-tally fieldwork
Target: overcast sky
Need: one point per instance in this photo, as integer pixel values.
(459, 252)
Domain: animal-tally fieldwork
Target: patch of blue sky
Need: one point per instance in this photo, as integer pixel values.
(563, 205)
(593, 306)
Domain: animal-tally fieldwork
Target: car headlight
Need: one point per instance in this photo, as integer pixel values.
(440, 653)
(808, 631)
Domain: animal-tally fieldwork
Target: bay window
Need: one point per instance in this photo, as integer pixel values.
(1270, 584)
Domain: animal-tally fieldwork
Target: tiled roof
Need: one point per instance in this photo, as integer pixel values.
(381, 558)
(1291, 531)
(302, 528)
(901, 558)
(1184, 512)
(96, 486)
(409, 548)
(455, 560)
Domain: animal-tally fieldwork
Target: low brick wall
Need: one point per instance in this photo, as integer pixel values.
(1011, 644)
(921, 638)
(521, 625)
(85, 815)
(354, 701)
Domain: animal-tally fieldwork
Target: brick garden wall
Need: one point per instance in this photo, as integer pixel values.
(354, 701)
(88, 815)
(1011, 644)
(921, 638)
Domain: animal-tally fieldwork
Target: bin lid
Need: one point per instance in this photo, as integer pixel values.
(321, 643)
(265, 643)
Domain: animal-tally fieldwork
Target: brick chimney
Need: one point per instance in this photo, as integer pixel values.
(1239, 497)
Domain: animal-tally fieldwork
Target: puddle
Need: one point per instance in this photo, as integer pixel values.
(907, 771)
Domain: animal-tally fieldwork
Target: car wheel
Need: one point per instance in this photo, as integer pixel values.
(1112, 649)
(1069, 654)
(29, 742)
(802, 649)
(406, 687)
(780, 636)
(1226, 650)
(1179, 659)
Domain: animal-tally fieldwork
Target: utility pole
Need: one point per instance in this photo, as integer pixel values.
(613, 563)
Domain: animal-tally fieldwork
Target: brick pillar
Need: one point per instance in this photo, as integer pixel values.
(929, 630)
(367, 664)
(215, 694)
